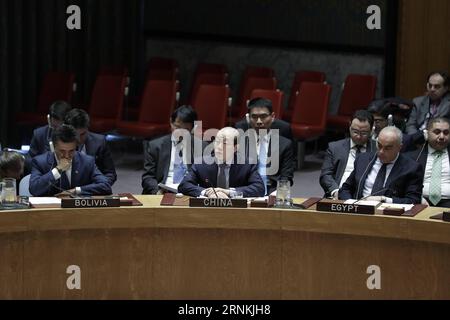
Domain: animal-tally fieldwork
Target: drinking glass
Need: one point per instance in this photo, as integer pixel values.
(8, 191)
(283, 197)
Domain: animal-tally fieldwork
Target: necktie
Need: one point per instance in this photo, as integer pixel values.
(379, 181)
(262, 164)
(65, 185)
(435, 181)
(221, 178)
(358, 149)
(179, 168)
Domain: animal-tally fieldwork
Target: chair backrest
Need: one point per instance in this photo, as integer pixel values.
(303, 76)
(158, 101)
(276, 96)
(359, 90)
(161, 74)
(107, 96)
(311, 104)
(56, 85)
(246, 90)
(258, 72)
(218, 79)
(211, 68)
(211, 104)
(24, 186)
(162, 63)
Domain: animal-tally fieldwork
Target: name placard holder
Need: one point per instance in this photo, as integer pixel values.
(90, 202)
(217, 203)
(340, 207)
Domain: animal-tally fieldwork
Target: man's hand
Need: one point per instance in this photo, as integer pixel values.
(64, 164)
(65, 194)
(220, 195)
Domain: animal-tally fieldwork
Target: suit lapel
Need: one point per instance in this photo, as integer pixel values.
(343, 158)
(75, 178)
(166, 149)
(361, 182)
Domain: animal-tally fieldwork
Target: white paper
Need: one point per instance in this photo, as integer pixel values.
(44, 200)
(362, 202)
(396, 206)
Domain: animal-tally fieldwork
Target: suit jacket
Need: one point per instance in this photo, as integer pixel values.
(84, 174)
(422, 108)
(243, 177)
(283, 126)
(404, 184)
(286, 161)
(335, 161)
(421, 156)
(157, 162)
(39, 144)
(97, 147)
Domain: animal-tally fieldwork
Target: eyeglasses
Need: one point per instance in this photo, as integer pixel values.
(359, 133)
(379, 120)
(436, 86)
(262, 116)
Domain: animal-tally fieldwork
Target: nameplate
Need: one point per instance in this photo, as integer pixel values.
(341, 207)
(446, 216)
(217, 203)
(90, 202)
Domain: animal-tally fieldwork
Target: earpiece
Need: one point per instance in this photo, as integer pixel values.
(52, 148)
(48, 121)
(425, 134)
(247, 118)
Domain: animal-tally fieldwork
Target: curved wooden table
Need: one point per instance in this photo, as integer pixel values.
(154, 252)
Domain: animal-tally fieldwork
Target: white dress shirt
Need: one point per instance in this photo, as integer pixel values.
(368, 184)
(351, 161)
(176, 147)
(445, 176)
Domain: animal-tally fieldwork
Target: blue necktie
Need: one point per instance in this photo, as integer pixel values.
(65, 185)
(262, 164)
(379, 180)
(179, 168)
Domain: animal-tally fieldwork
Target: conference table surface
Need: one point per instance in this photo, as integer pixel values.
(168, 252)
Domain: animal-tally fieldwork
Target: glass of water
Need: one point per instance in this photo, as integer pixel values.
(236, 194)
(283, 198)
(8, 191)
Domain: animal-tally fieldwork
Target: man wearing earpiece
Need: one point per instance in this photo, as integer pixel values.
(166, 159)
(66, 171)
(387, 175)
(91, 143)
(42, 136)
(435, 103)
(434, 157)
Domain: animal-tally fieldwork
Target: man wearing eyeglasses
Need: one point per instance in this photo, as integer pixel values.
(340, 156)
(435, 103)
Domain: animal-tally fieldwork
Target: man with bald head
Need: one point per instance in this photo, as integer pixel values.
(386, 175)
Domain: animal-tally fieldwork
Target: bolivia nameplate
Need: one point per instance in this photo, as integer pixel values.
(341, 207)
(90, 202)
(217, 203)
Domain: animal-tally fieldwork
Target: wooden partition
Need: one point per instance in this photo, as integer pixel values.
(154, 252)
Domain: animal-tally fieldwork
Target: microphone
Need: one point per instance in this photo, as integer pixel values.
(71, 194)
(367, 168)
(210, 185)
(390, 120)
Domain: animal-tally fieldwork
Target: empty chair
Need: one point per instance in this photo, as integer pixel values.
(106, 104)
(157, 103)
(219, 79)
(301, 76)
(246, 89)
(56, 85)
(359, 90)
(211, 104)
(211, 68)
(310, 115)
(162, 63)
(258, 72)
(276, 96)
(24, 186)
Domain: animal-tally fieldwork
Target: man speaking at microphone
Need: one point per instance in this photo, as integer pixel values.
(386, 176)
(66, 171)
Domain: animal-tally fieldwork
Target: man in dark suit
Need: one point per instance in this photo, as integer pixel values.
(340, 156)
(266, 146)
(224, 173)
(92, 144)
(283, 126)
(66, 171)
(167, 159)
(40, 141)
(434, 158)
(436, 102)
(387, 175)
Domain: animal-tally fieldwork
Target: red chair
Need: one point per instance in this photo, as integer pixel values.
(276, 96)
(211, 104)
(310, 115)
(247, 87)
(56, 85)
(106, 105)
(162, 63)
(258, 72)
(157, 104)
(359, 90)
(301, 76)
(211, 68)
(218, 79)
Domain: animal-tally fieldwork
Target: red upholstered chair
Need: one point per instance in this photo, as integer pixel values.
(157, 104)
(247, 87)
(211, 104)
(359, 90)
(301, 76)
(218, 79)
(56, 85)
(162, 63)
(310, 115)
(211, 68)
(276, 96)
(258, 72)
(106, 104)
